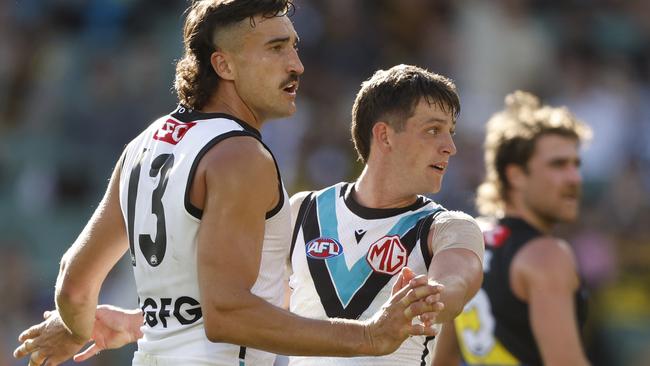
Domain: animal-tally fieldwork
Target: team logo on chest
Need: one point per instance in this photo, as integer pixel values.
(323, 248)
(387, 255)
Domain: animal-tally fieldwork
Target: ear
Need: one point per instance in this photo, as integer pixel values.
(516, 176)
(382, 136)
(223, 65)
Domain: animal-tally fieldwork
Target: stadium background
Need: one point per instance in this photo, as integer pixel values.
(79, 79)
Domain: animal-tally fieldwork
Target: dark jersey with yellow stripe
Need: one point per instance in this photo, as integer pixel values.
(494, 328)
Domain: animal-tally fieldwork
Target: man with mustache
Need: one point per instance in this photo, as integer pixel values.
(531, 305)
(198, 201)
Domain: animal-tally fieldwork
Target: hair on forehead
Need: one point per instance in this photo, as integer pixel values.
(392, 95)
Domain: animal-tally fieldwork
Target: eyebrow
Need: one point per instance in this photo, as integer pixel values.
(439, 120)
(281, 40)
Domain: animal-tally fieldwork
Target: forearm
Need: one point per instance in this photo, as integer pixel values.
(461, 272)
(77, 312)
(75, 303)
(446, 352)
(253, 322)
(454, 296)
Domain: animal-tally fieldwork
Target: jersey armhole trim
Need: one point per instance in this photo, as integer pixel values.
(304, 205)
(189, 207)
(424, 236)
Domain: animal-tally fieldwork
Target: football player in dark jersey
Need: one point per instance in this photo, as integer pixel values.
(531, 305)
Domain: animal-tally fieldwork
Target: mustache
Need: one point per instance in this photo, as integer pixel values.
(290, 79)
(573, 190)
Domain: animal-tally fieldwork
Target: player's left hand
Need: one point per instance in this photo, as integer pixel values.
(48, 343)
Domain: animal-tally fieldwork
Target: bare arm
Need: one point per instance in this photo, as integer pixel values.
(229, 253)
(83, 269)
(87, 262)
(543, 274)
(457, 246)
(446, 351)
(460, 272)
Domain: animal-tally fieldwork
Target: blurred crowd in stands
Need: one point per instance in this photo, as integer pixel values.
(80, 78)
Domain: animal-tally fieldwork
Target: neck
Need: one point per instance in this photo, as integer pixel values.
(226, 100)
(525, 213)
(376, 191)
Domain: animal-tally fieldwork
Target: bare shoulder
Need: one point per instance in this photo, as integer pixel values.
(241, 155)
(546, 254)
(544, 262)
(240, 170)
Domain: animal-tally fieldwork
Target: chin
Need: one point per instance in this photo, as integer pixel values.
(568, 216)
(431, 189)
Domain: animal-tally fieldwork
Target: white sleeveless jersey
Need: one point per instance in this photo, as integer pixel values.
(162, 225)
(345, 259)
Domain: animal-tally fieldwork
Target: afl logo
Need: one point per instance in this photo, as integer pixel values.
(323, 248)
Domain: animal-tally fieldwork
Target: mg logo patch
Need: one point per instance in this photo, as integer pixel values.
(172, 131)
(387, 255)
(323, 248)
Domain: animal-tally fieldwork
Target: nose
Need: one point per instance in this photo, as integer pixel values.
(295, 65)
(449, 147)
(574, 175)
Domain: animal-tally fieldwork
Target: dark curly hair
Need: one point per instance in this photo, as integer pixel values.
(195, 79)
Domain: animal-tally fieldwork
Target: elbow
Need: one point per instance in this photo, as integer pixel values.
(215, 333)
(70, 293)
(455, 312)
(218, 326)
(69, 296)
(449, 313)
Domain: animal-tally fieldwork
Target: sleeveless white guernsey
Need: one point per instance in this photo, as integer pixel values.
(162, 225)
(345, 260)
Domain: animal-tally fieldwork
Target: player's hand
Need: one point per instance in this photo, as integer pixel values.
(403, 280)
(394, 322)
(48, 343)
(114, 328)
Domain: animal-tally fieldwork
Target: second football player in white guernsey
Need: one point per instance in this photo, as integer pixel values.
(351, 240)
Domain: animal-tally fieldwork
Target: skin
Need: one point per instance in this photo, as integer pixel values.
(234, 205)
(255, 69)
(399, 168)
(401, 165)
(544, 272)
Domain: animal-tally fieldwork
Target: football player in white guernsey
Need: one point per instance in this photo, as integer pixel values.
(351, 240)
(198, 201)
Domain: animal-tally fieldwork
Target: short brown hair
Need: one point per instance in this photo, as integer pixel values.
(511, 136)
(393, 95)
(195, 79)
